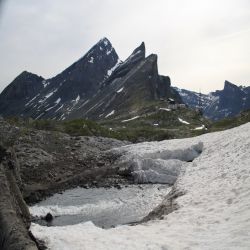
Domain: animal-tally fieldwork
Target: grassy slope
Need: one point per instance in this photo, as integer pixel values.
(228, 123)
(142, 129)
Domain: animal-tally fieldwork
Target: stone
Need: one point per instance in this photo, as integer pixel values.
(48, 217)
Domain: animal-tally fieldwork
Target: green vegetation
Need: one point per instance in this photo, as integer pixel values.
(228, 123)
(153, 124)
(160, 125)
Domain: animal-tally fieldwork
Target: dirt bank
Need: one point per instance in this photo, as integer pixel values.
(14, 214)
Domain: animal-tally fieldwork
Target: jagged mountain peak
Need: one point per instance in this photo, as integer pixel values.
(123, 68)
(228, 102)
(138, 53)
(227, 83)
(230, 86)
(93, 85)
(140, 49)
(104, 41)
(27, 74)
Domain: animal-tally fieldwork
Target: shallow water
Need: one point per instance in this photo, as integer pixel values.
(104, 207)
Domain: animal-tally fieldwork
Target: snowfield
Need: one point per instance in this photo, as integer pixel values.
(213, 214)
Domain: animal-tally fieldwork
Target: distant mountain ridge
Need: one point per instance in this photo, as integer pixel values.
(96, 85)
(220, 104)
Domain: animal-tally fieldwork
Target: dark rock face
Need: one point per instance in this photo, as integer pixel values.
(20, 91)
(84, 76)
(229, 102)
(124, 67)
(91, 87)
(14, 214)
(129, 93)
(219, 104)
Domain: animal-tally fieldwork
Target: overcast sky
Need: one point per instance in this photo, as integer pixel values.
(200, 43)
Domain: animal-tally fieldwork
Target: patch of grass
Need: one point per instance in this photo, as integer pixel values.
(141, 129)
(228, 123)
(85, 128)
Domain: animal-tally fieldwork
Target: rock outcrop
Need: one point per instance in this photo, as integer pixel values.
(14, 214)
(19, 92)
(40, 163)
(229, 102)
(220, 104)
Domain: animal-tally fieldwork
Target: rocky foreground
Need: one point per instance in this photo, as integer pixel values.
(35, 164)
(211, 194)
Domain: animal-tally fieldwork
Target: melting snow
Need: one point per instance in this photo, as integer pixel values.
(109, 51)
(30, 101)
(45, 83)
(59, 108)
(105, 42)
(200, 128)
(131, 119)
(58, 100)
(110, 71)
(120, 90)
(182, 121)
(43, 99)
(39, 116)
(49, 108)
(91, 60)
(213, 213)
(77, 99)
(111, 113)
(165, 109)
(84, 104)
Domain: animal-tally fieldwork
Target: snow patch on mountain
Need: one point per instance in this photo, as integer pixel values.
(165, 109)
(110, 71)
(91, 60)
(45, 83)
(77, 99)
(120, 90)
(182, 121)
(131, 119)
(58, 100)
(109, 114)
(200, 128)
(30, 101)
(59, 108)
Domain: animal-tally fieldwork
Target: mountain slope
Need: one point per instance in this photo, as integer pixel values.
(20, 91)
(79, 81)
(97, 85)
(219, 104)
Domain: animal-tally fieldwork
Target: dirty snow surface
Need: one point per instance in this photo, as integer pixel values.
(214, 212)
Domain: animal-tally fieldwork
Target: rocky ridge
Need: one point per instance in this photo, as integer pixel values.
(96, 85)
(220, 104)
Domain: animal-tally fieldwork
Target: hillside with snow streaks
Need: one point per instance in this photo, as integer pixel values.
(213, 213)
(228, 102)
